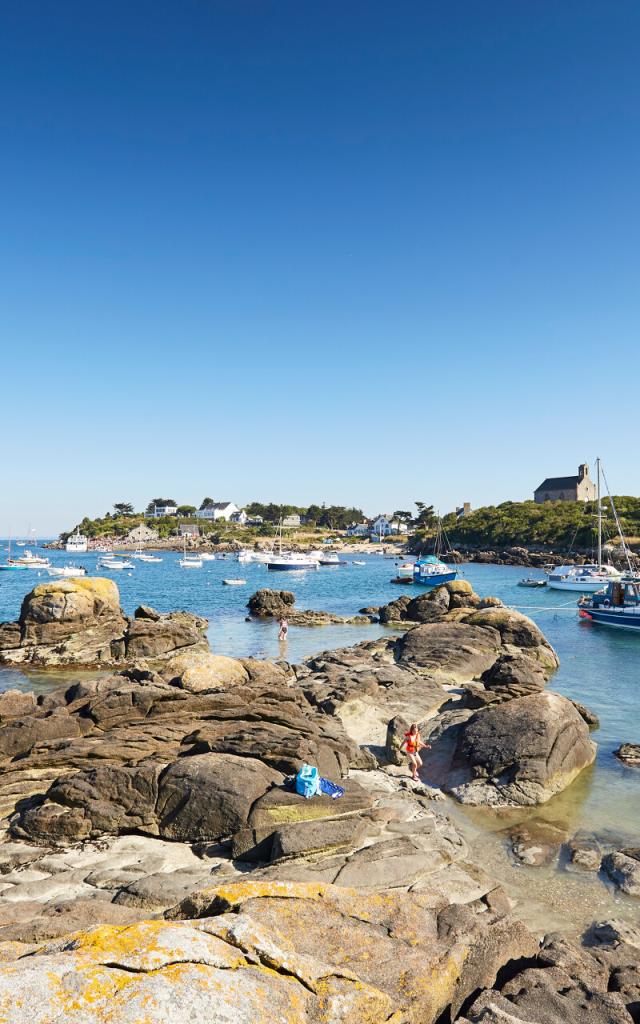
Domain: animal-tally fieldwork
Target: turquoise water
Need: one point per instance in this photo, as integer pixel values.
(599, 667)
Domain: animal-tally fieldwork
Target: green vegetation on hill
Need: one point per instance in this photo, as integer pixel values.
(556, 524)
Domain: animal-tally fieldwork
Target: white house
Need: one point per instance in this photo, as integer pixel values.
(219, 510)
(358, 530)
(158, 511)
(291, 522)
(239, 517)
(380, 527)
(141, 535)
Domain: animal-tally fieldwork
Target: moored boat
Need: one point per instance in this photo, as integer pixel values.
(234, 583)
(431, 572)
(532, 581)
(113, 563)
(30, 561)
(66, 570)
(618, 605)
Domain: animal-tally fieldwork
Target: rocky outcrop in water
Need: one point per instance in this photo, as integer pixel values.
(79, 623)
(629, 753)
(275, 604)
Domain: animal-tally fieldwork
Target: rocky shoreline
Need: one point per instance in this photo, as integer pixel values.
(156, 864)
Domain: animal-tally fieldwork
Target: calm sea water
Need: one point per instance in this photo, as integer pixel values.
(599, 667)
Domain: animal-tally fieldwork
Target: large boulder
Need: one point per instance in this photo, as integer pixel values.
(516, 631)
(201, 671)
(106, 800)
(209, 797)
(271, 604)
(449, 651)
(521, 752)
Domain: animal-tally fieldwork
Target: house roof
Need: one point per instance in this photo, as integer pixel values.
(221, 504)
(558, 483)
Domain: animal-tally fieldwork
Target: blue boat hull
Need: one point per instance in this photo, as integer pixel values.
(435, 580)
(617, 619)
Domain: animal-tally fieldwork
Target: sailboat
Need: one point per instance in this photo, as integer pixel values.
(618, 603)
(593, 576)
(189, 561)
(431, 571)
(10, 565)
(290, 560)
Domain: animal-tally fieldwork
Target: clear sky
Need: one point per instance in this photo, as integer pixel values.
(362, 252)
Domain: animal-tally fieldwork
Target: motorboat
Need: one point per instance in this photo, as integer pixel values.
(30, 561)
(531, 581)
(10, 565)
(255, 556)
(357, 561)
(76, 543)
(405, 569)
(431, 572)
(113, 563)
(207, 556)
(66, 570)
(582, 579)
(617, 605)
(330, 558)
(234, 583)
(141, 556)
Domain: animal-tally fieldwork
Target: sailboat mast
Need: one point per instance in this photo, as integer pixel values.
(599, 517)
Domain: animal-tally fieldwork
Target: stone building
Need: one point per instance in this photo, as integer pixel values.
(141, 535)
(567, 488)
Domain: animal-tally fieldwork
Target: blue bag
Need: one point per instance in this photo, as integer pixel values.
(308, 781)
(331, 789)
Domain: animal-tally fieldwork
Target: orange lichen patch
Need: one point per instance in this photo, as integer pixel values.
(234, 894)
(97, 586)
(147, 946)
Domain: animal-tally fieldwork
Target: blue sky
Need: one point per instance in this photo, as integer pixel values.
(358, 252)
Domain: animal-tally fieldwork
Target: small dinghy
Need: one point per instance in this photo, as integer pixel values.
(356, 562)
(234, 583)
(529, 581)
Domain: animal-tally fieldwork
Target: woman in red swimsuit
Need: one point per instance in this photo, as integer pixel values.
(412, 746)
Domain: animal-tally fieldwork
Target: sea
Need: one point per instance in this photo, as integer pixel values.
(599, 667)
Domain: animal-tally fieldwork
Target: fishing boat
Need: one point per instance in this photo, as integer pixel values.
(325, 557)
(66, 570)
(431, 571)
(76, 543)
(30, 561)
(618, 605)
(10, 565)
(234, 583)
(532, 581)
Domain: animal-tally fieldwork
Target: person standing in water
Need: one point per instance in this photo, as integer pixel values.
(284, 628)
(412, 745)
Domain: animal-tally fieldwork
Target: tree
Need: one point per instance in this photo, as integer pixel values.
(186, 510)
(426, 516)
(161, 502)
(123, 508)
(207, 503)
(403, 517)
